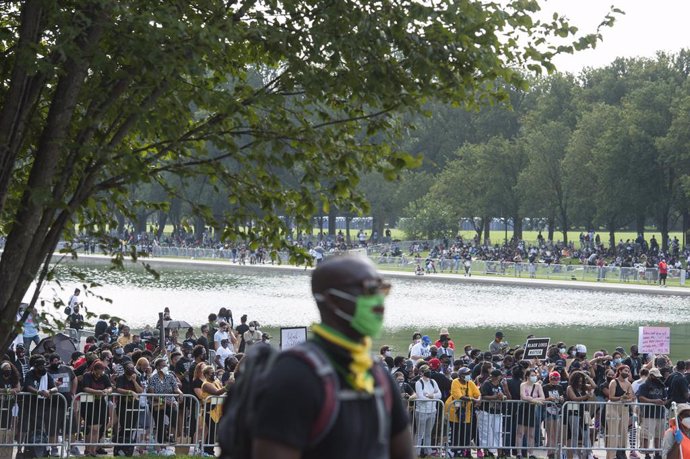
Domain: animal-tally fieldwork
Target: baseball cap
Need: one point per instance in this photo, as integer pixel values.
(655, 372)
(426, 339)
(434, 363)
(496, 373)
(581, 349)
(499, 334)
(423, 369)
(555, 375)
(463, 371)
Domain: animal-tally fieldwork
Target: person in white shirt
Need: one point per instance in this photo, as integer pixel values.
(425, 408)
(222, 333)
(223, 352)
(73, 300)
(421, 350)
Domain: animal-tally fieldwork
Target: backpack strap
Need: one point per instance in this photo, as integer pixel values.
(317, 360)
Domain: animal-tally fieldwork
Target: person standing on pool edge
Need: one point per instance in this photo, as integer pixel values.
(350, 294)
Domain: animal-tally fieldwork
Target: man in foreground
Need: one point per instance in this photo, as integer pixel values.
(350, 296)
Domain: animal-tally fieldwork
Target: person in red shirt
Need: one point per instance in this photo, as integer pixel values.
(442, 333)
(663, 272)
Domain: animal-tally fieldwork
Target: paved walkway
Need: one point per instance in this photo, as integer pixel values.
(475, 279)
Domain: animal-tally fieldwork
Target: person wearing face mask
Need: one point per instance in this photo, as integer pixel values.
(676, 441)
(66, 383)
(252, 336)
(163, 382)
(554, 395)
(21, 361)
(127, 385)
(620, 393)
(532, 394)
(210, 391)
(464, 393)
(386, 356)
(425, 410)
(94, 409)
(9, 387)
(653, 394)
(489, 416)
(406, 391)
(421, 350)
(350, 295)
(635, 362)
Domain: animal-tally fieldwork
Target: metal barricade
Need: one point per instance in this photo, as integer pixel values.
(503, 428)
(33, 423)
(152, 422)
(613, 426)
(428, 426)
(211, 411)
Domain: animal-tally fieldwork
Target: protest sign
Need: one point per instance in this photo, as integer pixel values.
(654, 340)
(291, 337)
(536, 348)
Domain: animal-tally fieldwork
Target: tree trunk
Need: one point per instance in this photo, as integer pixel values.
(639, 223)
(551, 221)
(663, 227)
(487, 230)
(564, 229)
(686, 227)
(162, 220)
(612, 236)
(332, 215)
(347, 229)
(517, 227)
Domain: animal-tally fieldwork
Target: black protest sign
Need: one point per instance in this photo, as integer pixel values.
(536, 348)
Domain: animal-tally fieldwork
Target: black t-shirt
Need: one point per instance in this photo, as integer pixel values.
(678, 388)
(203, 341)
(33, 380)
(488, 389)
(514, 388)
(553, 391)
(122, 382)
(287, 414)
(92, 382)
(9, 382)
(63, 378)
(653, 391)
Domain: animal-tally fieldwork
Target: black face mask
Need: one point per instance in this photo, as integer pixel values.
(54, 366)
(40, 371)
(129, 371)
(427, 374)
(434, 353)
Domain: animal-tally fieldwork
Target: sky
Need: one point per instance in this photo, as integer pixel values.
(646, 27)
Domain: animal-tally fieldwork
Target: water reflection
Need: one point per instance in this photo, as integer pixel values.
(277, 298)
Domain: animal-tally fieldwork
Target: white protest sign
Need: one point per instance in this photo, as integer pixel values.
(291, 337)
(654, 340)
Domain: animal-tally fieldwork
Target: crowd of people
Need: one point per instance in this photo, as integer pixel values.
(456, 255)
(476, 384)
(115, 371)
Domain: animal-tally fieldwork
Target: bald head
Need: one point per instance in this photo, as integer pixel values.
(342, 272)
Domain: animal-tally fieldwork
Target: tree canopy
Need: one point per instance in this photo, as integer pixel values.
(277, 104)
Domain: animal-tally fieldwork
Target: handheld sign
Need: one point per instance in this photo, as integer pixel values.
(536, 348)
(291, 337)
(654, 340)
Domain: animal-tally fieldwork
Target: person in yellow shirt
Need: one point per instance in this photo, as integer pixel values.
(463, 392)
(125, 336)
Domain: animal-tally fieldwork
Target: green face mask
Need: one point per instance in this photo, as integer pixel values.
(364, 320)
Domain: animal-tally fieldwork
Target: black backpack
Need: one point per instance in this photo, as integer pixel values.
(234, 429)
